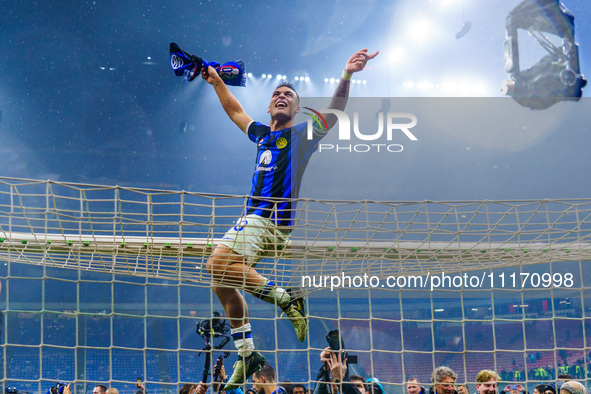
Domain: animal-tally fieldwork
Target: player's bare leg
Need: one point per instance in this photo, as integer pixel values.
(228, 273)
(231, 270)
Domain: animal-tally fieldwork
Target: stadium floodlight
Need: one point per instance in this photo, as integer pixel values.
(479, 89)
(397, 54)
(425, 85)
(464, 89)
(420, 30)
(447, 87)
(448, 3)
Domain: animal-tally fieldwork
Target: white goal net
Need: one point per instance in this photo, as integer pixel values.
(105, 283)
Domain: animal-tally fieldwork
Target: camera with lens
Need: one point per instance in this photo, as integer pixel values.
(212, 327)
(337, 344)
(58, 389)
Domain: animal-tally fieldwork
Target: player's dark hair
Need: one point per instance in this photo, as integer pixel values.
(290, 86)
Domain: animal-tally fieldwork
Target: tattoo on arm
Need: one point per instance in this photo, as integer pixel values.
(340, 96)
(342, 89)
(338, 101)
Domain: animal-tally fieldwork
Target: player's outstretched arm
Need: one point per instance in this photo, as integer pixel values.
(230, 103)
(355, 64)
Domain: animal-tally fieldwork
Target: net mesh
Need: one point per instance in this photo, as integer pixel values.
(169, 234)
(105, 284)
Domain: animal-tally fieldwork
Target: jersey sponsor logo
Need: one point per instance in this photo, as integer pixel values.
(267, 169)
(265, 158)
(281, 143)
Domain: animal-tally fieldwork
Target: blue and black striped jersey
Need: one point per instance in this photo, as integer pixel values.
(282, 157)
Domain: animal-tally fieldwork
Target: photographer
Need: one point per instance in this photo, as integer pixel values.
(333, 376)
(141, 388)
(60, 388)
(514, 389)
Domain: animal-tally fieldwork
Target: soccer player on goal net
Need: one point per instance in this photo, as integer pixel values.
(283, 153)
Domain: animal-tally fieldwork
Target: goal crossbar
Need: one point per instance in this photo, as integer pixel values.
(168, 257)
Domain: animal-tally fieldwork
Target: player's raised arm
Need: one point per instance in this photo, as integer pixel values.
(355, 64)
(230, 103)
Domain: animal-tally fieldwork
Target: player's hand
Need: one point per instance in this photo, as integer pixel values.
(210, 74)
(358, 61)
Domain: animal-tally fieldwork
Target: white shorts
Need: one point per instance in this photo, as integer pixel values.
(255, 237)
